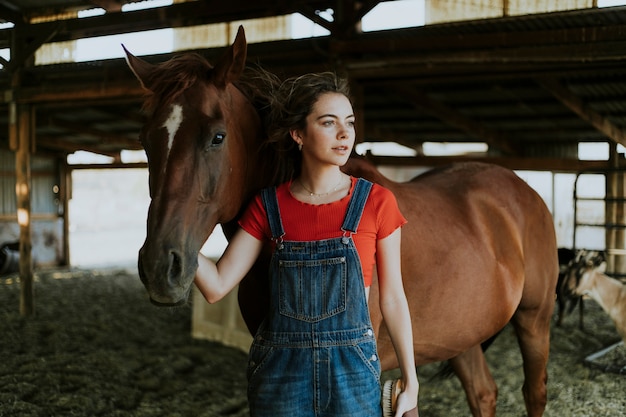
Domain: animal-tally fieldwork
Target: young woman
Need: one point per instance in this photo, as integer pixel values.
(315, 354)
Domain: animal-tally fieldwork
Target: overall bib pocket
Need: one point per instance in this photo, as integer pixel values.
(312, 290)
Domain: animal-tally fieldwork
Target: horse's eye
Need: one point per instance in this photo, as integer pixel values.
(218, 139)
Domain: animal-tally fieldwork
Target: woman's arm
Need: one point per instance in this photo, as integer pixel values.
(215, 280)
(395, 310)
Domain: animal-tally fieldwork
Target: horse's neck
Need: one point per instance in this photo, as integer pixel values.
(611, 295)
(358, 167)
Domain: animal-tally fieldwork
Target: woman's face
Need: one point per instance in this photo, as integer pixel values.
(329, 134)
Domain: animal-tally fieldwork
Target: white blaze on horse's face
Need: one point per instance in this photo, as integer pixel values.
(172, 124)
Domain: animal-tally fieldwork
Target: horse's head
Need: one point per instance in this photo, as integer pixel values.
(199, 139)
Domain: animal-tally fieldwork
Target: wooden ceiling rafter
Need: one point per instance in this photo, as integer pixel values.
(314, 15)
(349, 15)
(104, 137)
(26, 44)
(450, 116)
(497, 44)
(377, 133)
(51, 142)
(81, 93)
(134, 117)
(183, 14)
(11, 13)
(108, 5)
(511, 162)
(578, 106)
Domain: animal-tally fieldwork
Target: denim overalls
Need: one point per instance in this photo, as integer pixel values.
(315, 354)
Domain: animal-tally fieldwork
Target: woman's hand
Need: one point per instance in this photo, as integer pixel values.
(407, 403)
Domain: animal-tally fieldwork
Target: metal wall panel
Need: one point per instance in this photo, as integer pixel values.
(47, 220)
(44, 182)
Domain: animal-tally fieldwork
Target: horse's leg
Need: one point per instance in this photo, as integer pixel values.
(533, 333)
(562, 306)
(480, 388)
(560, 299)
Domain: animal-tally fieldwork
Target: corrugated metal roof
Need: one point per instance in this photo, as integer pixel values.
(490, 80)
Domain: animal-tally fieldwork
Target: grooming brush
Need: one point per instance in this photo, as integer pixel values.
(391, 389)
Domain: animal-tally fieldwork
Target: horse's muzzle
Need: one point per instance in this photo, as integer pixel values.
(168, 292)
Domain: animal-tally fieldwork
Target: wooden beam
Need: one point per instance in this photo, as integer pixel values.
(67, 147)
(348, 15)
(109, 5)
(103, 137)
(373, 132)
(313, 15)
(176, 15)
(65, 192)
(448, 115)
(522, 164)
(578, 106)
(112, 165)
(22, 189)
(82, 92)
(11, 13)
(25, 44)
(599, 42)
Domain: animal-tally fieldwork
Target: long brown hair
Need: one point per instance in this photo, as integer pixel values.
(284, 106)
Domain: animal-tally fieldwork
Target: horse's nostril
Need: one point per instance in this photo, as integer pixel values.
(174, 271)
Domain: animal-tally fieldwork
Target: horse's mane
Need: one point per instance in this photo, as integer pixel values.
(173, 77)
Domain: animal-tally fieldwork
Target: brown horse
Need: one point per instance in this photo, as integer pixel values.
(479, 250)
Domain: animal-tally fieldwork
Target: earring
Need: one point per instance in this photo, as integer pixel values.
(299, 146)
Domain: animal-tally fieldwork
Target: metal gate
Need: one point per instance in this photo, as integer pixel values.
(612, 223)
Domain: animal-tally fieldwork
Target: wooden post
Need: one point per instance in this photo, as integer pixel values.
(65, 187)
(620, 219)
(356, 91)
(615, 214)
(23, 141)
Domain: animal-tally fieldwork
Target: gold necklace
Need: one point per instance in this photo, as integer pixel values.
(312, 194)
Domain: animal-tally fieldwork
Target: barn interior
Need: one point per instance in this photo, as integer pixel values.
(523, 84)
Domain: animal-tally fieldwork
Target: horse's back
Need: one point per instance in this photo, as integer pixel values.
(479, 243)
(478, 211)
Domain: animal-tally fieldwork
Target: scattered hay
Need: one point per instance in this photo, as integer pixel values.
(97, 347)
(610, 359)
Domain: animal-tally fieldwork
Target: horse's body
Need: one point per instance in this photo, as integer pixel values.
(479, 250)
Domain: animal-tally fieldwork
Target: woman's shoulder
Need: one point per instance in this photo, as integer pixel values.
(382, 199)
(379, 192)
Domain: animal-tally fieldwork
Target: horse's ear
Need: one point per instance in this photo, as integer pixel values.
(140, 68)
(229, 68)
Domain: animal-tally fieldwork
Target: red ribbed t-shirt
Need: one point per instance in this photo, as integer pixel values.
(309, 222)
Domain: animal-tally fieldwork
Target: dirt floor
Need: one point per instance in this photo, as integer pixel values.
(97, 347)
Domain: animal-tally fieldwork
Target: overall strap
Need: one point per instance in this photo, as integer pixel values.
(356, 205)
(270, 202)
